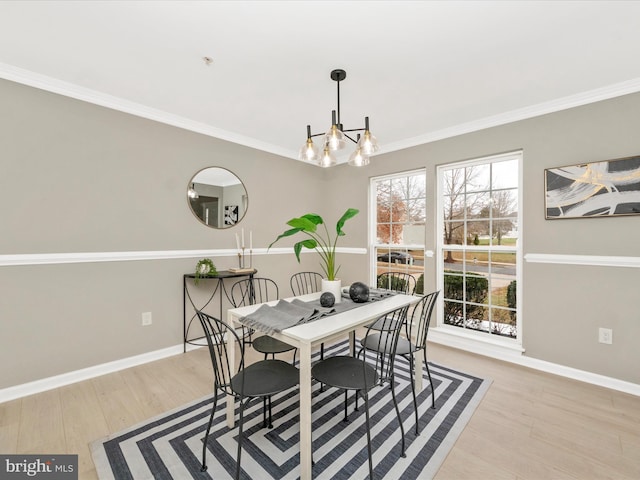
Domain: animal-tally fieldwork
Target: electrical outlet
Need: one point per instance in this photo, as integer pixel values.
(605, 335)
(146, 319)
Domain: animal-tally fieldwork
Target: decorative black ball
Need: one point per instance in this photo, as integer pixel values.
(359, 292)
(327, 299)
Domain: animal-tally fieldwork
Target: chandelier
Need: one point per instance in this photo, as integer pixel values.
(334, 138)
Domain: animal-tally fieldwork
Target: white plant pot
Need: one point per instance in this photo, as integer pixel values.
(333, 286)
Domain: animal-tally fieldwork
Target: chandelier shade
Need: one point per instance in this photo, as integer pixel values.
(358, 158)
(309, 152)
(337, 136)
(328, 159)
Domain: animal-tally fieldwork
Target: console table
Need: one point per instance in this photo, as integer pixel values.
(218, 287)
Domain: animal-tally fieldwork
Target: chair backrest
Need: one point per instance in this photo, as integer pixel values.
(219, 337)
(251, 291)
(382, 338)
(398, 282)
(305, 282)
(417, 326)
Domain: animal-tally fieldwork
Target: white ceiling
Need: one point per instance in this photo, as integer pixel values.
(420, 70)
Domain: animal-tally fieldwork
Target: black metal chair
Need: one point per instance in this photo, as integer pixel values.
(259, 290)
(361, 374)
(258, 380)
(249, 292)
(415, 339)
(398, 282)
(305, 282)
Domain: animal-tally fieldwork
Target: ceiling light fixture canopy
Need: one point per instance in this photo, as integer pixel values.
(336, 138)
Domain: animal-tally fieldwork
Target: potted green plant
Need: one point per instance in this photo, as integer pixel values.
(204, 268)
(320, 241)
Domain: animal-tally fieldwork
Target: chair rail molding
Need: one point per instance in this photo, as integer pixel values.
(591, 260)
(94, 257)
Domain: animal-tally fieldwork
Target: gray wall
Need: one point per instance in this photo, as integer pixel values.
(563, 305)
(77, 177)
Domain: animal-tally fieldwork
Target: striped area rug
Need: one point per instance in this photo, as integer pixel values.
(170, 446)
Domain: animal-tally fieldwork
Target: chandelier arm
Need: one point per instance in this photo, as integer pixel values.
(317, 134)
(347, 136)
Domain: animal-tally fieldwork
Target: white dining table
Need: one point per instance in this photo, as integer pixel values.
(305, 337)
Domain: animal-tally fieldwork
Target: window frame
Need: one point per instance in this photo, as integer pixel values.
(442, 248)
(373, 220)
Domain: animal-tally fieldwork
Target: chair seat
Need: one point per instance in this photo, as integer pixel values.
(265, 378)
(345, 372)
(267, 344)
(373, 342)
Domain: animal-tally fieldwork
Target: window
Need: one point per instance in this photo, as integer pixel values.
(478, 244)
(398, 206)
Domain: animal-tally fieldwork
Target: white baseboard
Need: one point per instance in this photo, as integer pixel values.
(37, 386)
(507, 354)
(514, 355)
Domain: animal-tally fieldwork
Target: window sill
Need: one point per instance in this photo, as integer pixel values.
(483, 344)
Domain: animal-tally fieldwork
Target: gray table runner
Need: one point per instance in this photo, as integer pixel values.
(270, 319)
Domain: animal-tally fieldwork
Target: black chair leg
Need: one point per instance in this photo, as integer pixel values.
(240, 438)
(433, 393)
(411, 361)
(322, 358)
(206, 436)
(266, 413)
(395, 404)
(366, 406)
(346, 415)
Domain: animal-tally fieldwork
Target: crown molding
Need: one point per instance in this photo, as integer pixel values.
(544, 108)
(50, 84)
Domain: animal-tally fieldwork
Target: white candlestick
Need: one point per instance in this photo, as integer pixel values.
(238, 243)
(250, 239)
(243, 238)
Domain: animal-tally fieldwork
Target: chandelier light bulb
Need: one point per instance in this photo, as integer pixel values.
(358, 159)
(368, 143)
(327, 159)
(309, 152)
(335, 138)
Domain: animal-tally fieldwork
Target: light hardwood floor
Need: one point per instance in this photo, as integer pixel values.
(530, 425)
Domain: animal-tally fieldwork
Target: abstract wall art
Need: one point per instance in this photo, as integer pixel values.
(230, 214)
(598, 189)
